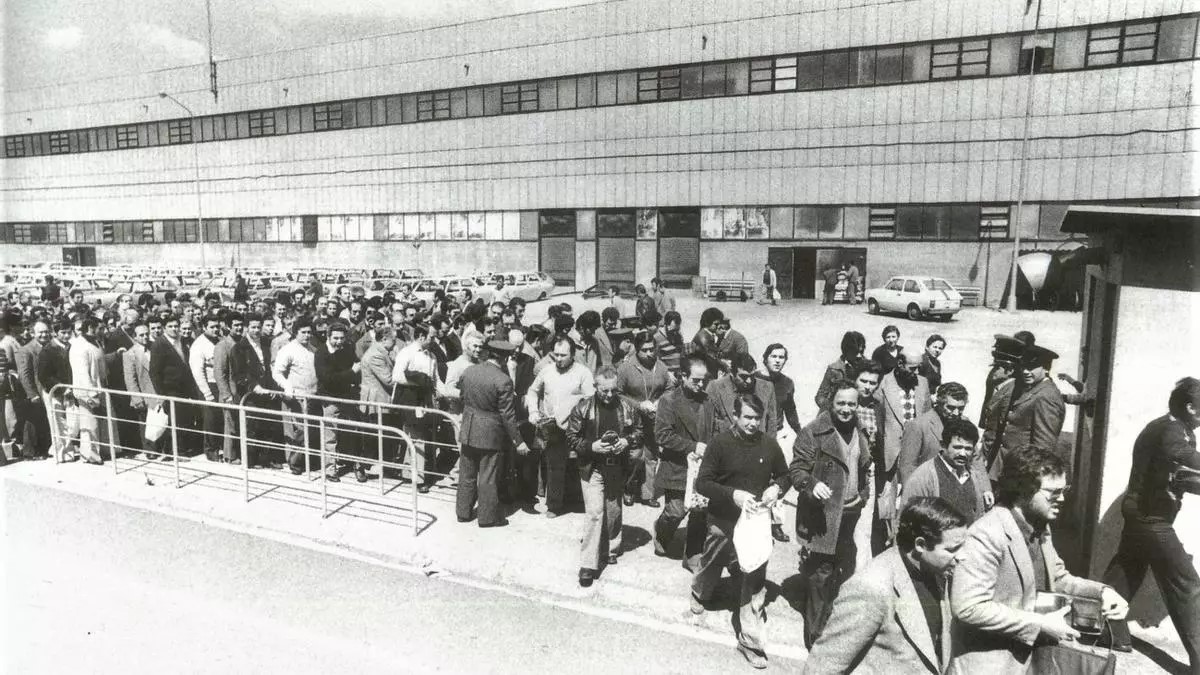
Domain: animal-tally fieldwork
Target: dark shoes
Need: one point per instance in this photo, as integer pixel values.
(360, 474)
(613, 557)
(778, 533)
(552, 514)
(499, 523)
(628, 500)
(652, 503)
(297, 472)
(332, 477)
(423, 489)
(586, 577)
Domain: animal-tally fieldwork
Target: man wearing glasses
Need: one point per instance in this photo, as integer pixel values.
(1008, 559)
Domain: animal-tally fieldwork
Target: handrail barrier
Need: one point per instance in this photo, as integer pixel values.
(91, 412)
(378, 409)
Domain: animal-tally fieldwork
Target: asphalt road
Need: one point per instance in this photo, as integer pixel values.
(95, 587)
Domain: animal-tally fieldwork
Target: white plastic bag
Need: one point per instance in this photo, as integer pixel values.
(692, 500)
(156, 423)
(752, 538)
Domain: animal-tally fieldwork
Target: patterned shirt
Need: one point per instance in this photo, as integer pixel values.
(867, 422)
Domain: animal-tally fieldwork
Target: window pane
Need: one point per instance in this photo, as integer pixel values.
(548, 95)
(1005, 53)
(491, 101)
(964, 223)
(737, 78)
(714, 79)
(909, 222)
(889, 65)
(1176, 38)
(606, 89)
(679, 222)
(627, 85)
(585, 91)
(837, 65)
(458, 103)
(566, 92)
(474, 102)
(862, 67)
(690, 82)
(808, 72)
(441, 226)
(916, 63)
(1069, 48)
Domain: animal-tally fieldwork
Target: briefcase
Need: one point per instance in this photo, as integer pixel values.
(1185, 479)
(1067, 659)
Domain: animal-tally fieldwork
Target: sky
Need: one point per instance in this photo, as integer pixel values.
(57, 41)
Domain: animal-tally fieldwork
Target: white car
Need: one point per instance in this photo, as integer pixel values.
(916, 296)
(531, 286)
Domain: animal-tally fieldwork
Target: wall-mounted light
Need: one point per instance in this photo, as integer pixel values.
(703, 42)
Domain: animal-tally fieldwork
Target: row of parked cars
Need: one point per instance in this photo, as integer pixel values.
(106, 284)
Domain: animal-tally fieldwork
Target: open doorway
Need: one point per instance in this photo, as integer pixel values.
(799, 270)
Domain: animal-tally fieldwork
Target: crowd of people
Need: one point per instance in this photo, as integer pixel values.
(607, 410)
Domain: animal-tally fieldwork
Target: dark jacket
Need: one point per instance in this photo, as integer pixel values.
(785, 399)
(53, 366)
(835, 374)
(247, 370)
(522, 383)
(732, 462)
(489, 420)
(884, 358)
(169, 372)
(679, 425)
(1165, 443)
(114, 343)
(724, 396)
(581, 431)
(817, 457)
(1033, 417)
(335, 373)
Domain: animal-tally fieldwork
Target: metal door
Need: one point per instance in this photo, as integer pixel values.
(781, 261)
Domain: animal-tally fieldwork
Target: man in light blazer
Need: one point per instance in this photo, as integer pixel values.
(893, 616)
(902, 396)
(1009, 557)
(376, 386)
(135, 366)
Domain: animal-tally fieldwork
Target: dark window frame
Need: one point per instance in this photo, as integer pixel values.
(967, 54)
(262, 123)
(327, 116)
(1121, 52)
(179, 132)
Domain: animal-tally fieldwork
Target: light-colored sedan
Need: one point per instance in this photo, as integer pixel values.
(917, 297)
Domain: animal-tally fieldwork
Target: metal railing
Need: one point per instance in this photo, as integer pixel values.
(94, 407)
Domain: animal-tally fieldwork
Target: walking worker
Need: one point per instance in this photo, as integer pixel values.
(1151, 502)
(1024, 412)
(953, 474)
(601, 429)
(743, 470)
(769, 281)
(842, 370)
(489, 422)
(893, 615)
(829, 471)
(643, 379)
(931, 364)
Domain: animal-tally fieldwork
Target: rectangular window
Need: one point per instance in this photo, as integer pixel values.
(658, 85)
(993, 223)
(626, 88)
(59, 143)
(179, 131)
(881, 223)
(547, 95)
(761, 73)
(262, 123)
(127, 136)
(1129, 43)
(1176, 38)
(434, 106)
(785, 73)
(327, 116)
(960, 59)
(916, 63)
(606, 89)
(714, 79)
(585, 89)
(566, 92)
(809, 72)
(1038, 53)
(862, 67)
(458, 103)
(1070, 48)
(14, 146)
(475, 102)
(835, 70)
(690, 82)
(519, 98)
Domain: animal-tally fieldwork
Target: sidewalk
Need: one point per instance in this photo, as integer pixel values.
(534, 556)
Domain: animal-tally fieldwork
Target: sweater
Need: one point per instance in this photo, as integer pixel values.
(734, 462)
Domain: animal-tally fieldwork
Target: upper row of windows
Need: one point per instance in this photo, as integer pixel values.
(1147, 41)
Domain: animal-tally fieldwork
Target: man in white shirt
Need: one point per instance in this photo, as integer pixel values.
(550, 398)
(448, 388)
(200, 361)
(295, 372)
(415, 378)
(88, 374)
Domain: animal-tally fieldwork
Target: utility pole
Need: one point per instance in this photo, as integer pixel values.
(1033, 54)
(212, 64)
(195, 136)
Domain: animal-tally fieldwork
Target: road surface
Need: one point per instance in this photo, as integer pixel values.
(95, 587)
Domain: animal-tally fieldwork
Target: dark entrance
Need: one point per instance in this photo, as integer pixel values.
(678, 246)
(798, 269)
(84, 256)
(556, 246)
(616, 249)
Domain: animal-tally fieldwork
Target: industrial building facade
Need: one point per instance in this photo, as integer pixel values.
(626, 140)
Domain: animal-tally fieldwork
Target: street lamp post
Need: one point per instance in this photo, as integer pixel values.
(195, 133)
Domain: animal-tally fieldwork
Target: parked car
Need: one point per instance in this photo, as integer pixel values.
(916, 296)
(625, 289)
(531, 286)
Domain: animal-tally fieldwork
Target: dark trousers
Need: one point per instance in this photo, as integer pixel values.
(1155, 545)
(478, 476)
(263, 431)
(555, 454)
(668, 521)
(827, 297)
(643, 464)
(34, 425)
(718, 554)
(823, 574)
(883, 522)
(127, 424)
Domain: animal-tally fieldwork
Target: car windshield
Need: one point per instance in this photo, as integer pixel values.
(936, 285)
(102, 285)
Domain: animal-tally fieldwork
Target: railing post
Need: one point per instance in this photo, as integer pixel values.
(245, 445)
(304, 423)
(175, 441)
(55, 432)
(412, 463)
(379, 445)
(324, 490)
(112, 432)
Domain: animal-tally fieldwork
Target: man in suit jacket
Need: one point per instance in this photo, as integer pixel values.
(683, 425)
(740, 380)
(135, 367)
(250, 380)
(1028, 413)
(902, 396)
(954, 474)
(28, 401)
(829, 471)
(1008, 559)
(893, 616)
(523, 474)
(489, 423)
(171, 376)
(921, 439)
(235, 330)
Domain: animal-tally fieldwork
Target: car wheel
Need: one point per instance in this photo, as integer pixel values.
(542, 295)
(872, 306)
(914, 312)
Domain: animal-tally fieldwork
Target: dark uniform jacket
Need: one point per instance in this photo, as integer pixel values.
(582, 431)
(817, 457)
(489, 420)
(1034, 417)
(1164, 445)
(680, 423)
